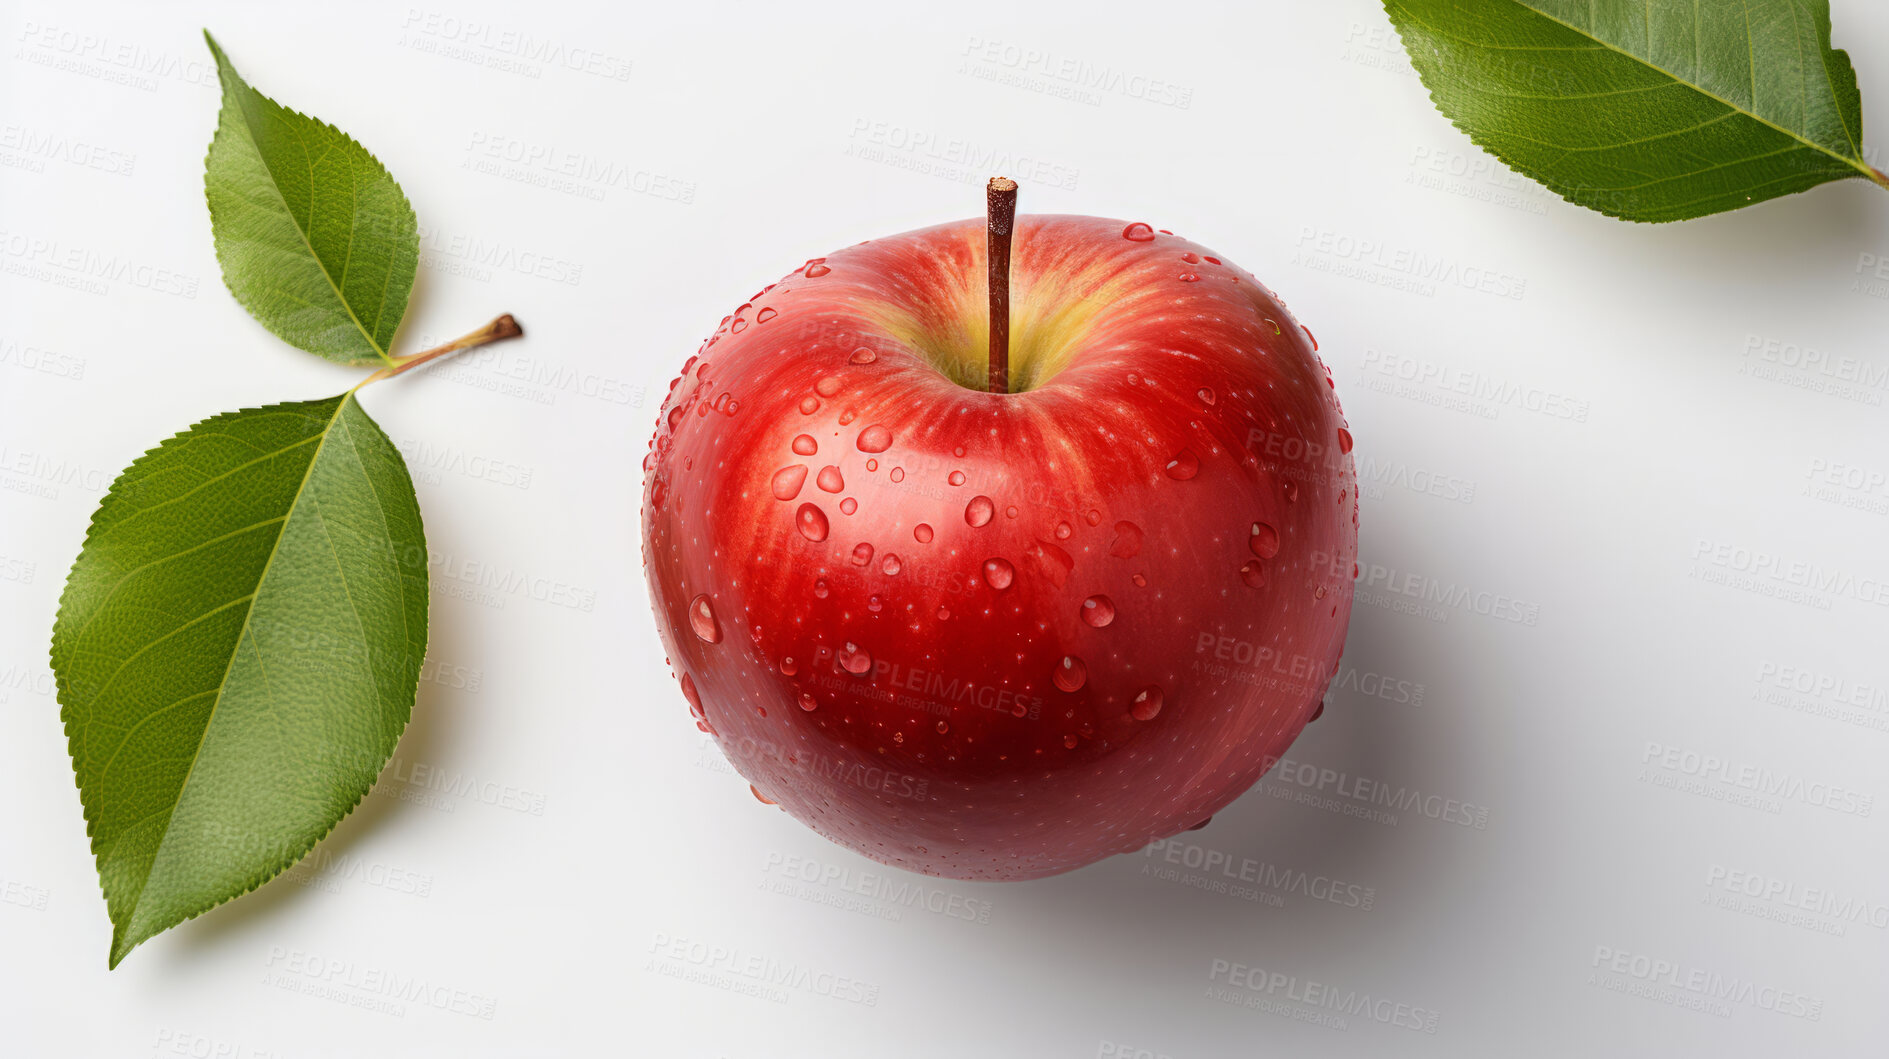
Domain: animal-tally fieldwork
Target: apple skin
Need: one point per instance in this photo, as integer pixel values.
(1169, 416)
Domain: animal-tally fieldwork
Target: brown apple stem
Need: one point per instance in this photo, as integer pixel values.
(1000, 200)
(501, 327)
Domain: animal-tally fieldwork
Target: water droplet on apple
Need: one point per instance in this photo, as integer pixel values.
(848, 506)
(875, 438)
(815, 270)
(1213, 261)
(1093, 518)
(1063, 531)
(702, 620)
(819, 589)
(942, 727)
(1253, 574)
(1140, 581)
(898, 474)
(998, 573)
(1098, 611)
(922, 533)
(872, 465)
(862, 553)
(956, 478)
(789, 667)
(1317, 712)
(765, 315)
(855, 659)
(811, 522)
(809, 405)
(1264, 540)
(1310, 335)
(1146, 704)
(890, 565)
(805, 445)
(875, 604)
(1051, 562)
(1202, 824)
(1205, 394)
(863, 355)
(788, 480)
(1127, 543)
(694, 697)
(738, 326)
(1183, 466)
(1291, 490)
(979, 511)
(1069, 742)
(1320, 593)
(1344, 440)
(944, 613)
(762, 798)
(1189, 277)
(829, 479)
(827, 386)
(847, 417)
(1139, 232)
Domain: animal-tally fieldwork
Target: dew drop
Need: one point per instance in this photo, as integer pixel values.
(862, 553)
(898, 474)
(1189, 277)
(765, 315)
(809, 405)
(1205, 394)
(829, 479)
(1140, 581)
(1184, 466)
(1093, 518)
(875, 438)
(1139, 232)
(1264, 540)
(1098, 611)
(863, 355)
(758, 796)
(1063, 531)
(890, 565)
(1310, 335)
(944, 613)
(788, 480)
(1127, 543)
(1191, 258)
(922, 533)
(808, 702)
(702, 620)
(694, 697)
(1069, 742)
(827, 386)
(956, 478)
(1290, 489)
(819, 589)
(1318, 712)
(1146, 703)
(805, 445)
(811, 522)
(789, 667)
(1344, 440)
(847, 417)
(1253, 574)
(979, 511)
(815, 270)
(998, 573)
(942, 727)
(738, 326)
(855, 659)
(848, 506)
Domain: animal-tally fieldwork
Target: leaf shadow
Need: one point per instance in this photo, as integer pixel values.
(435, 728)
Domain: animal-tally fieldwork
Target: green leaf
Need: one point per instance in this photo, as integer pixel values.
(1654, 110)
(237, 652)
(315, 238)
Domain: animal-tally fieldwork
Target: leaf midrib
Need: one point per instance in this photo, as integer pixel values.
(223, 684)
(1857, 164)
(276, 187)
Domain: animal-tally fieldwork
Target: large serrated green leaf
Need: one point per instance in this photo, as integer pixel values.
(237, 651)
(315, 238)
(1649, 110)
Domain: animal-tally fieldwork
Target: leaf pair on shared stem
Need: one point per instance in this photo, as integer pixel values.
(239, 643)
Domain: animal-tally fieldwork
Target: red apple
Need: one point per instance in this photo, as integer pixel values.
(1003, 635)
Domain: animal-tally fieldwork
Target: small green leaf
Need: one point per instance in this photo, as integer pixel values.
(237, 652)
(1653, 110)
(315, 238)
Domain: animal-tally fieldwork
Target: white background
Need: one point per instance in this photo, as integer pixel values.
(558, 847)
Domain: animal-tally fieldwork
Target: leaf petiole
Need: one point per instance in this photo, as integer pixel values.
(501, 328)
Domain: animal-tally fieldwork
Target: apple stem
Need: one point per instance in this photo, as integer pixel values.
(501, 327)
(1000, 200)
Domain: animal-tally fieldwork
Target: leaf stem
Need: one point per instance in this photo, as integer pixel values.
(501, 328)
(1878, 176)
